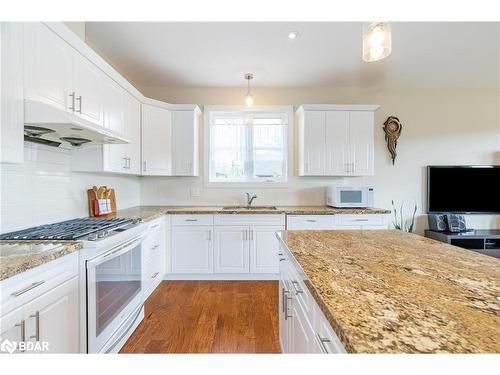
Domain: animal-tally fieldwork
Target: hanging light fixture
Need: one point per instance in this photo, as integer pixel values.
(248, 96)
(377, 41)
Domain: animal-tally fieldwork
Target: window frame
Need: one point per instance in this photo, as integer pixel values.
(287, 152)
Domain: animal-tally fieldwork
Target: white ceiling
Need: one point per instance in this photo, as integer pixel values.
(424, 55)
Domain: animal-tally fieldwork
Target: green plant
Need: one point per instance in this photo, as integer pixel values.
(400, 223)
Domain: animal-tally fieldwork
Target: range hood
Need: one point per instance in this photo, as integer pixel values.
(54, 127)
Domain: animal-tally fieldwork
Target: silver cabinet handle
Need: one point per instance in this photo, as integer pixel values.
(155, 226)
(209, 235)
(191, 219)
(22, 324)
(36, 336)
(297, 291)
(154, 275)
(124, 166)
(28, 288)
(251, 234)
(245, 235)
(360, 219)
(286, 305)
(283, 297)
(155, 247)
(72, 108)
(128, 166)
(310, 221)
(144, 165)
(79, 99)
(282, 259)
(322, 342)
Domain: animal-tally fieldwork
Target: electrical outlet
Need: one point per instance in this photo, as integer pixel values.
(195, 192)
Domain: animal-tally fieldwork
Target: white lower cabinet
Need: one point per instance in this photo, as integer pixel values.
(303, 327)
(192, 249)
(231, 249)
(42, 309)
(226, 246)
(153, 256)
(337, 222)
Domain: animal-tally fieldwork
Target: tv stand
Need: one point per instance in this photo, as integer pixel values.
(484, 241)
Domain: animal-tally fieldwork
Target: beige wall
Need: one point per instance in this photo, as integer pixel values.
(439, 127)
(78, 28)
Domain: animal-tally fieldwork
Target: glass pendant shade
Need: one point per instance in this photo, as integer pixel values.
(377, 41)
(248, 100)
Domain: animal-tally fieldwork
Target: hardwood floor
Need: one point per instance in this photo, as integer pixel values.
(209, 317)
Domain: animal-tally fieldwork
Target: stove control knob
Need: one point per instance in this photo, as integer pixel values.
(92, 237)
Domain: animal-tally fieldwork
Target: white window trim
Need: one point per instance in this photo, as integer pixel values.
(289, 131)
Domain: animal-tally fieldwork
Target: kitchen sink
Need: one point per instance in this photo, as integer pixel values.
(243, 208)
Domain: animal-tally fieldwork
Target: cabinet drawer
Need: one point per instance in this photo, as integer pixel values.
(153, 273)
(310, 222)
(192, 219)
(328, 341)
(22, 288)
(361, 220)
(155, 225)
(152, 246)
(249, 219)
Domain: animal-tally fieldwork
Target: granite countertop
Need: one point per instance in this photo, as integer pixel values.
(387, 291)
(19, 257)
(148, 213)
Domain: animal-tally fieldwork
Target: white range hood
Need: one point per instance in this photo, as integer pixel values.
(64, 125)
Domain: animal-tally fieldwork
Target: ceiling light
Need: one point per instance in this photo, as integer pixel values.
(293, 35)
(248, 96)
(377, 41)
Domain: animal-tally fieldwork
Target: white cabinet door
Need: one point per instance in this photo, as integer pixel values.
(132, 120)
(314, 143)
(184, 143)
(11, 328)
(88, 86)
(264, 249)
(284, 322)
(47, 67)
(337, 143)
(361, 143)
(54, 318)
(113, 106)
(11, 94)
(192, 249)
(231, 249)
(156, 141)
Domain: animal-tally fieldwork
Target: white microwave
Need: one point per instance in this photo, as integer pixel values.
(347, 196)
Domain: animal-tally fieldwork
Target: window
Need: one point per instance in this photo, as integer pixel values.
(247, 146)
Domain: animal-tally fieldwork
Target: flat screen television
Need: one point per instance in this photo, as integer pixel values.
(463, 189)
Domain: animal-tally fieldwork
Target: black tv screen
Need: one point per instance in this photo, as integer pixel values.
(463, 189)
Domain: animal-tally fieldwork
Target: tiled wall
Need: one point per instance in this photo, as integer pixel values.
(43, 189)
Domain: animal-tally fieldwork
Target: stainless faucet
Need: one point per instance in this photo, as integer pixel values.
(250, 199)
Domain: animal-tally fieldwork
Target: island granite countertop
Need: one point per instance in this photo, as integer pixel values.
(18, 257)
(387, 291)
(148, 213)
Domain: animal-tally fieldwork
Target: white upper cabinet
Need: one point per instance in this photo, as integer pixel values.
(48, 67)
(12, 99)
(361, 143)
(312, 143)
(336, 140)
(88, 87)
(185, 142)
(156, 141)
(113, 106)
(132, 122)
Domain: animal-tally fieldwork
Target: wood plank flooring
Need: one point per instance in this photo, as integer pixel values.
(209, 317)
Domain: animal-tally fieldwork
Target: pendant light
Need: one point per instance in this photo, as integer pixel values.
(248, 96)
(377, 41)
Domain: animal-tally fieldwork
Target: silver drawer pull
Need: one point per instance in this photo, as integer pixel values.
(22, 324)
(28, 288)
(282, 259)
(155, 247)
(155, 226)
(154, 275)
(322, 342)
(360, 219)
(310, 221)
(36, 336)
(297, 291)
(191, 219)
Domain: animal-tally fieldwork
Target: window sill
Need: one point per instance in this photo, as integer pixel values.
(254, 185)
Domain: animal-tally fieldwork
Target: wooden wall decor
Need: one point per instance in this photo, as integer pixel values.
(392, 128)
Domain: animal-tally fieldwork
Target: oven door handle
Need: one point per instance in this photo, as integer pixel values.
(114, 252)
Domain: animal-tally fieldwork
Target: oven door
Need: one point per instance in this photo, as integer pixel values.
(114, 292)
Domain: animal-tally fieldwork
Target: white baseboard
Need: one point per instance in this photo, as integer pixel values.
(232, 276)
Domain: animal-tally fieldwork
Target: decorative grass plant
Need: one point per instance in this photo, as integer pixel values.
(400, 222)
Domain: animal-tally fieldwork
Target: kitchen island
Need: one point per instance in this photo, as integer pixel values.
(386, 291)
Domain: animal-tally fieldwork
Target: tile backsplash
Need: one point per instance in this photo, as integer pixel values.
(43, 189)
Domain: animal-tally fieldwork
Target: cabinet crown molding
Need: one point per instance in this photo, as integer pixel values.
(337, 107)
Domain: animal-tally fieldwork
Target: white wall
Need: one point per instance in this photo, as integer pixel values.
(439, 127)
(43, 189)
